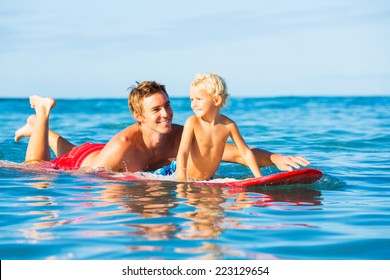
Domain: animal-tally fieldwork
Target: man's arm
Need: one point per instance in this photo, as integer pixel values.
(265, 158)
(111, 157)
(117, 152)
(231, 154)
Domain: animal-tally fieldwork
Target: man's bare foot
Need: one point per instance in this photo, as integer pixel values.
(26, 130)
(42, 104)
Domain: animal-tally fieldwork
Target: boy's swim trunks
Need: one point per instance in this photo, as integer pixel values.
(166, 170)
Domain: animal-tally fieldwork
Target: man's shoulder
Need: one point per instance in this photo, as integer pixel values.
(125, 136)
(176, 132)
(177, 128)
(175, 125)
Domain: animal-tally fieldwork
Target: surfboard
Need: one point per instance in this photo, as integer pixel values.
(295, 177)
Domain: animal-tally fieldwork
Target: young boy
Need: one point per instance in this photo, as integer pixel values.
(205, 133)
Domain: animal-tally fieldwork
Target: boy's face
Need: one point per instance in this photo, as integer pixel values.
(201, 102)
(157, 114)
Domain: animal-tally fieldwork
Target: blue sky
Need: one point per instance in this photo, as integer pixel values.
(86, 49)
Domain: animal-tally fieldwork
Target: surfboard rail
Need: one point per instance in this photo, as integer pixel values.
(295, 177)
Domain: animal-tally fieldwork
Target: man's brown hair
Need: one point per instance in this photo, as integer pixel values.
(139, 92)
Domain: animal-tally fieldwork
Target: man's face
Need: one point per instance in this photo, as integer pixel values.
(158, 113)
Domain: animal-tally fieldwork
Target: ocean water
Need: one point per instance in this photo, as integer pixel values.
(47, 214)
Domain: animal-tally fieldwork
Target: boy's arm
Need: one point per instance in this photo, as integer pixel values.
(184, 149)
(246, 153)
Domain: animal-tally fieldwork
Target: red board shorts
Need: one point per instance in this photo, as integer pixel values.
(74, 158)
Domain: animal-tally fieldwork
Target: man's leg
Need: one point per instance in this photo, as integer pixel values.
(38, 145)
(57, 143)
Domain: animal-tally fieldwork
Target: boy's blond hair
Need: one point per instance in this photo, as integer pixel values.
(213, 84)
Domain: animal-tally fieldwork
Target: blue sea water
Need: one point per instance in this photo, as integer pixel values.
(346, 215)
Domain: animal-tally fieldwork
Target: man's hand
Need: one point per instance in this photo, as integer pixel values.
(287, 163)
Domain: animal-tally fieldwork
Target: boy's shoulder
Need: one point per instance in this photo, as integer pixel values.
(192, 119)
(226, 120)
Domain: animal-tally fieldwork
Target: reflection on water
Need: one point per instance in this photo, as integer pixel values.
(289, 196)
(153, 210)
(85, 209)
(207, 216)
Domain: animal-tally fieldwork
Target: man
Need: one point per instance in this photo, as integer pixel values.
(151, 143)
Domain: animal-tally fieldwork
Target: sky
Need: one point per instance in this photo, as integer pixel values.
(97, 49)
